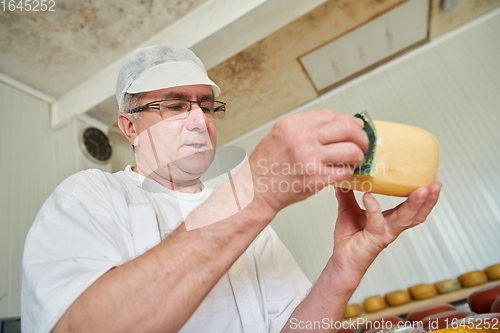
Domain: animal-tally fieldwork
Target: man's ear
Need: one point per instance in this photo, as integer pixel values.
(126, 123)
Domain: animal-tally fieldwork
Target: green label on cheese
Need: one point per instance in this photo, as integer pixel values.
(367, 168)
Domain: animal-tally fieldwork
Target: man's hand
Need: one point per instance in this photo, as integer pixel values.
(360, 235)
(305, 152)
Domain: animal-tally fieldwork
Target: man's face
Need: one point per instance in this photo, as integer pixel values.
(178, 150)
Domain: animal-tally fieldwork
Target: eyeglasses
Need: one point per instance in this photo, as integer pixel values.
(179, 108)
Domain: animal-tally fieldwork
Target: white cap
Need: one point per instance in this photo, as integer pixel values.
(159, 67)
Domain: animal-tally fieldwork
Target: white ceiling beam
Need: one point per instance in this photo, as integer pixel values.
(251, 28)
(26, 88)
(216, 30)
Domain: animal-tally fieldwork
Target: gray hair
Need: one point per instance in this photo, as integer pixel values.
(131, 101)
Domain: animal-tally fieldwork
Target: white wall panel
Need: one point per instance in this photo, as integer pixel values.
(33, 160)
(449, 87)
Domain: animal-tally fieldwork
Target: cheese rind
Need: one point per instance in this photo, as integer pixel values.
(374, 303)
(447, 286)
(421, 313)
(495, 306)
(422, 291)
(398, 297)
(406, 158)
(443, 319)
(481, 300)
(352, 310)
(473, 278)
(488, 328)
(493, 272)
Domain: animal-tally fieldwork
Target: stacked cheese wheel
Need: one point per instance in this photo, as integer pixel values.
(436, 317)
(468, 329)
(443, 320)
(422, 291)
(398, 297)
(374, 303)
(473, 278)
(482, 301)
(447, 286)
(352, 310)
(495, 306)
(419, 314)
(427, 290)
(493, 272)
(490, 319)
(476, 278)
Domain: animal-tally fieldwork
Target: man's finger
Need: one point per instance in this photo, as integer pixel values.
(335, 174)
(374, 217)
(343, 128)
(407, 211)
(346, 199)
(429, 203)
(341, 153)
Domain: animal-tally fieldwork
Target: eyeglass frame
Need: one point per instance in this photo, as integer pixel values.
(152, 106)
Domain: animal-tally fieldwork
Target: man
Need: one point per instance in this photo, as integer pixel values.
(151, 249)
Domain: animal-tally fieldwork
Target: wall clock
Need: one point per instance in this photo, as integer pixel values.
(96, 145)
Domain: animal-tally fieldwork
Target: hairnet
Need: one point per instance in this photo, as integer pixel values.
(159, 67)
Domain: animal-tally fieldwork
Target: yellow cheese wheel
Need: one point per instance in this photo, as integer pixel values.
(487, 328)
(447, 286)
(352, 310)
(473, 278)
(406, 158)
(493, 272)
(422, 291)
(374, 303)
(397, 297)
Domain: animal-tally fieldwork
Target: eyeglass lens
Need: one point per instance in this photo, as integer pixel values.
(179, 108)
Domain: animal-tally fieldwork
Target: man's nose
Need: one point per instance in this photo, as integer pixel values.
(197, 119)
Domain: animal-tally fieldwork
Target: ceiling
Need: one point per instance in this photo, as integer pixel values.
(70, 57)
(55, 52)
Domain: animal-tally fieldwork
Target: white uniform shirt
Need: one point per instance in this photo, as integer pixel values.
(95, 221)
